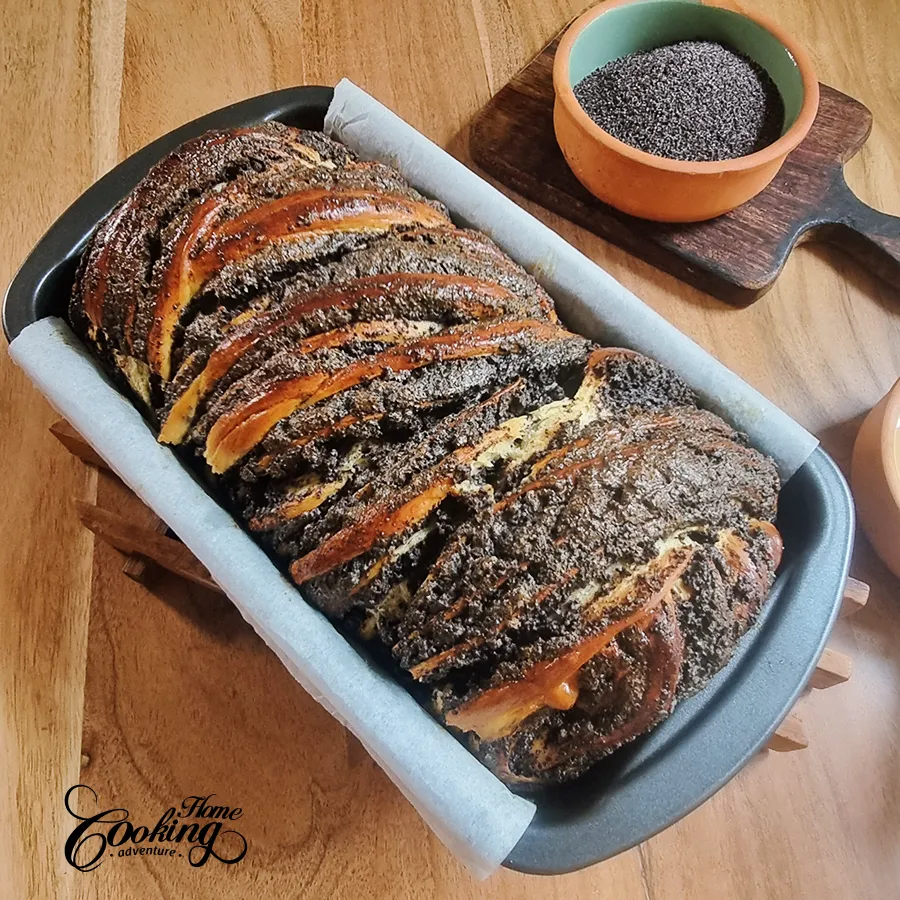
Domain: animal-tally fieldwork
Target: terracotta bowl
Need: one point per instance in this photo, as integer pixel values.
(875, 478)
(654, 187)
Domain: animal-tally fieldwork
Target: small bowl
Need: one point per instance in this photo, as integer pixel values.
(654, 187)
(875, 478)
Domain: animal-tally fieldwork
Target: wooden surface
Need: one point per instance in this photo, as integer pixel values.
(735, 257)
(126, 536)
(86, 83)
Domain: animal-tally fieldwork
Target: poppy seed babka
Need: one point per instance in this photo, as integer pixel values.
(550, 537)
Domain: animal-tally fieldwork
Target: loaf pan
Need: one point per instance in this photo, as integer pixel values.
(656, 780)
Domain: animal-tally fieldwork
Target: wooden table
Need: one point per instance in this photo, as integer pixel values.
(87, 83)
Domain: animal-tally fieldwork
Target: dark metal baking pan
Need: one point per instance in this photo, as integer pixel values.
(652, 783)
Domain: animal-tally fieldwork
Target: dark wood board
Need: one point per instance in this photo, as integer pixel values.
(736, 257)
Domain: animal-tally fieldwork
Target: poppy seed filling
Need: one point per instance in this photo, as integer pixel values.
(550, 537)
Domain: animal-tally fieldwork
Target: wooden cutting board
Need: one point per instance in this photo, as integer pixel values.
(736, 257)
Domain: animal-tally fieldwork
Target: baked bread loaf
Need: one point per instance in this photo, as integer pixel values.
(550, 537)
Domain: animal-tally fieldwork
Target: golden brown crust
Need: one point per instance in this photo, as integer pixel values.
(238, 431)
(471, 299)
(534, 755)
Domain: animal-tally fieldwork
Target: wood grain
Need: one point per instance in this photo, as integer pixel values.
(139, 567)
(791, 735)
(61, 65)
(856, 596)
(735, 257)
(128, 537)
(76, 444)
(824, 344)
(833, 668)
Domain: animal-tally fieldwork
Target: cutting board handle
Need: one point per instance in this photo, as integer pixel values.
(873, 237)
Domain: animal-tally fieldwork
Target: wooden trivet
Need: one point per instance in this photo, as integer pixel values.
(735, 257)
(142, 536)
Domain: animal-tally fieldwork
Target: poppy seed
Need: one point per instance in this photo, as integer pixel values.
(694, 100)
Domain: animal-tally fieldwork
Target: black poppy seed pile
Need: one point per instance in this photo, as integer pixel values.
(694, 100)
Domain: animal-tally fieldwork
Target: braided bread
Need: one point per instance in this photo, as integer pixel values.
(550, 537)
